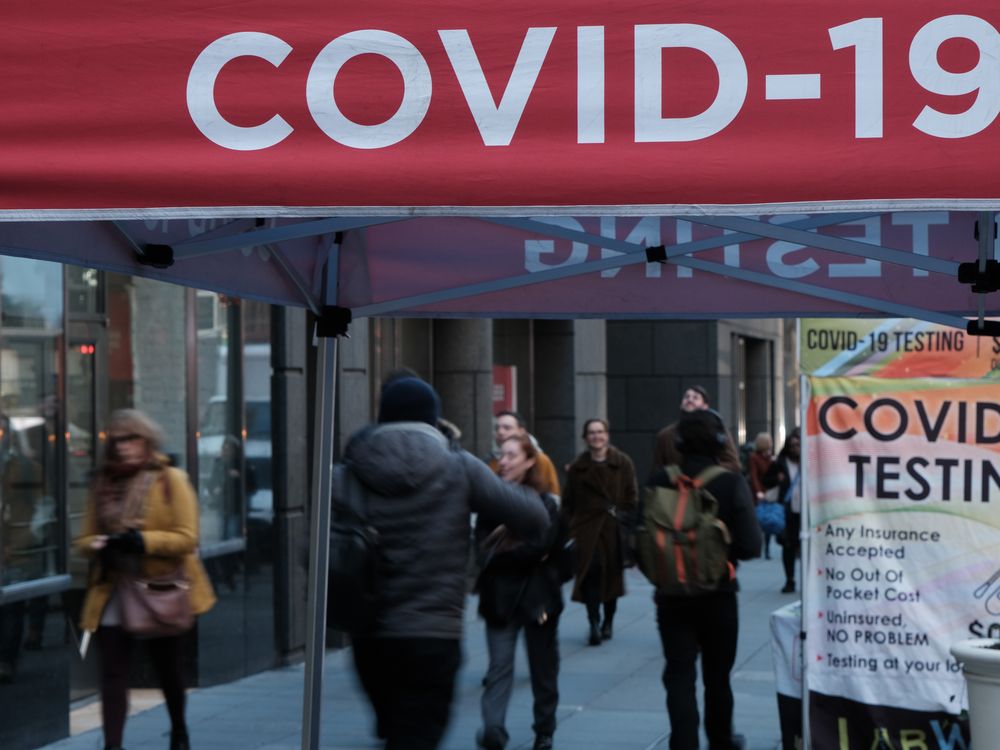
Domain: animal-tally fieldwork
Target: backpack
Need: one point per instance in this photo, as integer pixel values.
(355, 554)
(681, 545)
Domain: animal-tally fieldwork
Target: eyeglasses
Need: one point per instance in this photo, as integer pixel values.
(115, 439)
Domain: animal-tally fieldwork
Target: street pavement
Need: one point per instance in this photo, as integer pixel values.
(611, 696)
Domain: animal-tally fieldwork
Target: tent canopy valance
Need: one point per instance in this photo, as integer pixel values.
(184, 108)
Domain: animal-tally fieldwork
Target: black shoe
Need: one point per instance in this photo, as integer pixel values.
(542, 742)
(492, 738)
(179, 741)
(595, 635)
(739, 742)
(788, 588)
(606, 631)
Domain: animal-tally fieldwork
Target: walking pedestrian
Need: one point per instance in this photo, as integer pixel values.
(757, 465)
(420, 490)
(784, 474)
(665, 451)
(520, 590)
(599, 503)
(509, 424)
(706, 624)
(141, 519)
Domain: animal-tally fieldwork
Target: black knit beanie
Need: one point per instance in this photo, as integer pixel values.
(409, 400)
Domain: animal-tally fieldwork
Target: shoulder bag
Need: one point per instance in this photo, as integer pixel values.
(156, 607)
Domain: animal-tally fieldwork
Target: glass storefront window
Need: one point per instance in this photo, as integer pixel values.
(221, 465)
(257, 396)
(30, 519)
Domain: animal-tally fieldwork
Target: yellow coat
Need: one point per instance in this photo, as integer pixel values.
(169, 533)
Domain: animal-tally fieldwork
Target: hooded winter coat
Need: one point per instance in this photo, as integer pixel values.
(420, 493)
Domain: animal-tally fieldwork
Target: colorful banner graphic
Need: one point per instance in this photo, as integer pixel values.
(894, 348)
(902, 479)
(867, 103)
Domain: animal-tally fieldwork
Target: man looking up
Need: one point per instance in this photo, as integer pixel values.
(665, 452)
(511, 424)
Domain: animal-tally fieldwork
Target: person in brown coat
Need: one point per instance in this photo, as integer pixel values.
(759, 462)
(599, 504)
(141, 516)
(665, 451)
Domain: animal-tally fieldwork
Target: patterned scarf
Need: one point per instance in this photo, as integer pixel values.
(121, 496)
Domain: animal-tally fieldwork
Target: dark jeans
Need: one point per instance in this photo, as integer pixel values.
(790, 551)
(706, 625)
(116, 656)
(410, 683)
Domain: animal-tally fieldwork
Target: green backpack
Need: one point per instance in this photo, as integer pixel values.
(681, 545)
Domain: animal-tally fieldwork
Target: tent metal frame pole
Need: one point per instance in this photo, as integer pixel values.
(631, 254)
(805, 537)
(791, 233)
(198, 247)
(326, 389)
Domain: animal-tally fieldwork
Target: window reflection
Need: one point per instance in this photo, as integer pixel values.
(222, 473)
(29, 518)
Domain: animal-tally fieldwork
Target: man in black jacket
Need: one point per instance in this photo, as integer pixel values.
(420, 491)
(706, 623)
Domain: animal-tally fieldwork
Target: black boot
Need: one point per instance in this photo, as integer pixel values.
(606, 630)
(179, 741)
(595, 634)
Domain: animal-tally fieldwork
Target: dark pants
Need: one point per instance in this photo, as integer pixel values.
(116, 656)
(790, 551)
(410, 683)
(592, 592)
(706, 625)
(542, 644)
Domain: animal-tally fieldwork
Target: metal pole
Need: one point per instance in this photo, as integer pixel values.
(326, 381)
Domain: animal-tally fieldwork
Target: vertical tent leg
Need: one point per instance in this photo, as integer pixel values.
(326, 381)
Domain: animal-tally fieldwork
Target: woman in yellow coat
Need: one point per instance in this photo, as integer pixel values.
(142, 518)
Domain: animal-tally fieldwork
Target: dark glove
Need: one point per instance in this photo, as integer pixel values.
(127, 542)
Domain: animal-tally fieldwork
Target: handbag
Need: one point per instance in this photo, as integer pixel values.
(155, 607)
(159, 606)
(771, 517)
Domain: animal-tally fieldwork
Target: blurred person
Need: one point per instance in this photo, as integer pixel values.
(758, 463)
(665, 451)
(599, 504)
(784, 474)
(509, 424)
(520, 589)
(141, 518)
(420, 490)
(706, 624)
(448, 428)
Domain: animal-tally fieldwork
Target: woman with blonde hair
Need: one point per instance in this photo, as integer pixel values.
(141, 522)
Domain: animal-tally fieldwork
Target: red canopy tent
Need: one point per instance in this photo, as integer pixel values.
(535, 160)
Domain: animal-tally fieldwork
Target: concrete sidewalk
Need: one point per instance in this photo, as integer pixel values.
(611, 697)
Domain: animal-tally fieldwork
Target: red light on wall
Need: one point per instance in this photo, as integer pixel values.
(86, 348)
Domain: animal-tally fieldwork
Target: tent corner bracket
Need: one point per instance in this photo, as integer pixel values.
(333, 321)
(157, 256)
